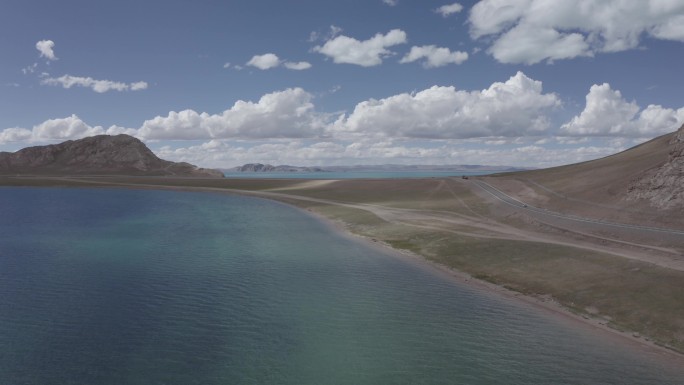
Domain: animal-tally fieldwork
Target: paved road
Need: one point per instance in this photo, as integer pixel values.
(509, 200)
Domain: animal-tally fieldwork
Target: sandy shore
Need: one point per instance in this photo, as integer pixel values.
(546, 305)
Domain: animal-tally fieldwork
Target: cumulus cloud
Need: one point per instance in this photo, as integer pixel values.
(434, 56)
(506, 123)
(69, 128)
(284, 114)
(449, 9)
(366, 53)
(531, 31)
(391, 3)
(45, 49)
(265, 61)
(297, 66)
(513, 108)
(528, 45)
(99, 86)
(270, 60)
(137, 86)
(14, 134)
(607, 113)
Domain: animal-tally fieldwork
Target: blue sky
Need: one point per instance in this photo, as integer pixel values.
(222, 83)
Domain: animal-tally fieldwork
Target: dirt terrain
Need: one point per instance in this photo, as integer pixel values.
(643, 185)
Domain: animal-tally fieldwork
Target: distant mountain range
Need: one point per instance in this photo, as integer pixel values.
(97, 155)
(259, 167)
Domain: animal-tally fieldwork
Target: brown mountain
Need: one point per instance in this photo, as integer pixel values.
(642, 184)
(97, 155)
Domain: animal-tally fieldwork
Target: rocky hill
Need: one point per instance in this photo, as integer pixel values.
(97, 155)
(663, 186)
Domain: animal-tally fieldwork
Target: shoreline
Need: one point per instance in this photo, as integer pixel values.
(339, 227)
(546, 305)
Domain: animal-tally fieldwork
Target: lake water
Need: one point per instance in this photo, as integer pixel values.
(113, 286)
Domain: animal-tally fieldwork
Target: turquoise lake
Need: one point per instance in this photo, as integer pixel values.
(115, 286)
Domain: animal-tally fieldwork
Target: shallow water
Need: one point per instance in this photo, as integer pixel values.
(153, 287)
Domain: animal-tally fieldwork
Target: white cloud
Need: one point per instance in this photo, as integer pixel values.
(265, 61)
(283, 114)
(116, 130)
(217, 153)
(391, 3)
(529, 46)
(531, 31)
(435, 56)
(30, 69)
(271, 60)
(226, 65)
(71, 127)
(14, 134)
(607, 113)
(298, 66)
(449, 9)
(506, 123)
(367, 53)
(137, 86)
(99, 86)
(516, 107)
(45, 49)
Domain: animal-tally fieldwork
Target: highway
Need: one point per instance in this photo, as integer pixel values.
(509, 200)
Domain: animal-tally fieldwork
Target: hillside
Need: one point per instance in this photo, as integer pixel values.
(97, 155)
(645, 182)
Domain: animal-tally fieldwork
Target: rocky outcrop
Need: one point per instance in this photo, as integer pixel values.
(663, 186)
(97, 155)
